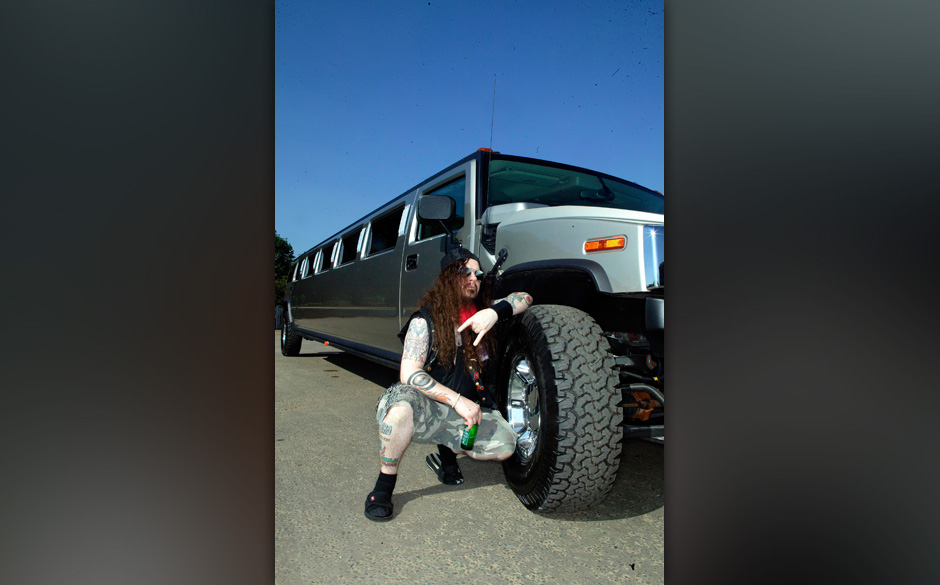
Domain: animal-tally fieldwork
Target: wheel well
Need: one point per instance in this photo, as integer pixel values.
(576, 288)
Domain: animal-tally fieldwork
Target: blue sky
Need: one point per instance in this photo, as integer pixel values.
(372, 98)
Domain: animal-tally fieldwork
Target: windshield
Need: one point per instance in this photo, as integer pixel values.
(515, 182)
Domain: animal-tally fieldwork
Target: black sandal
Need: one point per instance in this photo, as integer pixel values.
(379, 507)
(448, 474)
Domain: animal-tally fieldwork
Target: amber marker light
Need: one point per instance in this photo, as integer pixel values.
(606, 244)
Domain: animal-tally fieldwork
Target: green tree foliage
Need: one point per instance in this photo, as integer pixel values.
(283, 255)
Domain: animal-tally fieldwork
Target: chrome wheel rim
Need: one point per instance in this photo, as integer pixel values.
(522, 407)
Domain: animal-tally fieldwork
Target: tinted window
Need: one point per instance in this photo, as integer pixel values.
(327, 260)
(385, 232)
(455, 190)
(349, 247)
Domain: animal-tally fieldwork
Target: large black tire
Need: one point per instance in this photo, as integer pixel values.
(557, 388)
(290, 340)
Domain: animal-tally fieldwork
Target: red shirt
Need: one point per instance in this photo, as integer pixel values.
(466, 312)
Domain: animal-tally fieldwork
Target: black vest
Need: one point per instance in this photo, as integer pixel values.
(458, 378)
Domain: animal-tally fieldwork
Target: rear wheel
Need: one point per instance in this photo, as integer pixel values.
(290, 340)
(557, 390)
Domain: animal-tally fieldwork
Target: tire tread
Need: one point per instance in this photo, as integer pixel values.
(587, 455)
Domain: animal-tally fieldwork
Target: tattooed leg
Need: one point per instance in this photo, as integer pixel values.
(395, 434)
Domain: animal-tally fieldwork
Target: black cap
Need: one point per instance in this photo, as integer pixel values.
(455, 254)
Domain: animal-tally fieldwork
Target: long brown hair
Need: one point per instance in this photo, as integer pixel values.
(445, 299)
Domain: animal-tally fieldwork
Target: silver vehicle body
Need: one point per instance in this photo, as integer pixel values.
(357, 288)
(362, 303)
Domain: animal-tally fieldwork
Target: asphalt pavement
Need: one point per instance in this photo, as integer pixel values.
(326, 461)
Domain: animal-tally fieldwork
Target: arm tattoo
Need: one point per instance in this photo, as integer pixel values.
(416, 341)
(517, 299)
(424, 383)
(421, 380)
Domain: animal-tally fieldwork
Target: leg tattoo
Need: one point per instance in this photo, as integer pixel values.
(385, 434)
(395, 432)
(388, 461)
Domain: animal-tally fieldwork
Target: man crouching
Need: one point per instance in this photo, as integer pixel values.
(440, 390)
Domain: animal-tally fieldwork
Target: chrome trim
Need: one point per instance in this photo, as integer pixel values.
(522, 408)
(653, 253)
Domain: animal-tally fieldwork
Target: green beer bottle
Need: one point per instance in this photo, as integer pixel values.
(468, 438)
(470, 433)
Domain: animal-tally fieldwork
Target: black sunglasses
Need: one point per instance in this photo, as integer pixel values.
(467, 272)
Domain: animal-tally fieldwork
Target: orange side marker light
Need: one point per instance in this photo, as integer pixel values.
(606, 244)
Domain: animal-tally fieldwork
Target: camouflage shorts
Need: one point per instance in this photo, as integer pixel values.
(438, 423)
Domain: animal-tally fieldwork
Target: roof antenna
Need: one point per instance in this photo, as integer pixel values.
(493, 114)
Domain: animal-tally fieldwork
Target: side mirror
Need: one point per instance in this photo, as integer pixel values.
(436, 207)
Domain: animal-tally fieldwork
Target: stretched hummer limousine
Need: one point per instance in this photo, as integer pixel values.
(581, 370)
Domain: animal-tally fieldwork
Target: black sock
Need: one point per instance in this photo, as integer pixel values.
(448, 457)
(385, 483)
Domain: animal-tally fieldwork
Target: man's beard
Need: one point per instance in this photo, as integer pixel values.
(471, 293)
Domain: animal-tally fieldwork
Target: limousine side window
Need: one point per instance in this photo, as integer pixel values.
(326, 262)
(349, 247)
(295, 270)
(305, 268)
(455, 190)
(385, 232)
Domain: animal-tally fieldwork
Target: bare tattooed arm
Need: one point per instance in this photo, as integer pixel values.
(412, 364)
(412, 373)
(416, 343)
(520, 301)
